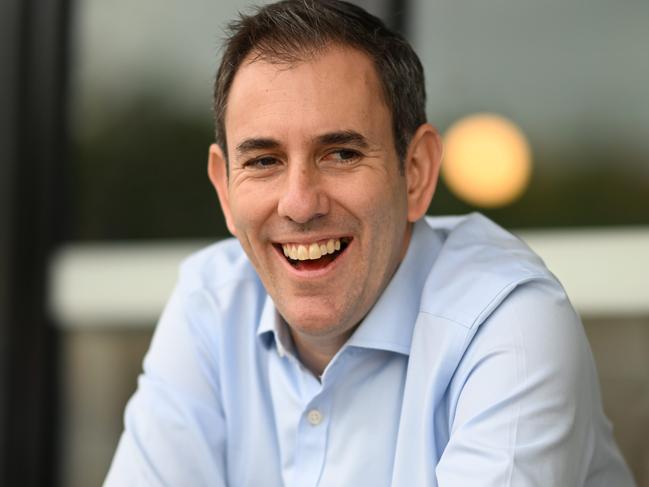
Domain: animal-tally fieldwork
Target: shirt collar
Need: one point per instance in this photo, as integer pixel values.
(389, 324)
(273, 327)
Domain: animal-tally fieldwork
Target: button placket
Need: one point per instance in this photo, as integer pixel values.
(311, 444)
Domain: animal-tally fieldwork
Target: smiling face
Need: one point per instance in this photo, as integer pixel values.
(314, 193)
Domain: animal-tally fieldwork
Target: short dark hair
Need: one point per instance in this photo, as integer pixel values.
(291, 31)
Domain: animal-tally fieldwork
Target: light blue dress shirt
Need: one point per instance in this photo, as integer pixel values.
(472, 369)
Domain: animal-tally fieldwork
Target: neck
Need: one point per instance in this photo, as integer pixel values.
(315, 353)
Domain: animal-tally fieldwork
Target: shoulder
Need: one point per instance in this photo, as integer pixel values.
(513, 320)
(219, 264)
(218, 283)
(477, 268)
(488, 293)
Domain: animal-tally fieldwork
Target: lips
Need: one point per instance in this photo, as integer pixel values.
(314, 255)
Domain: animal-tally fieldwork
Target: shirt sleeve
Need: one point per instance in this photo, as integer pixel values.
(174, 424)
(525, 406)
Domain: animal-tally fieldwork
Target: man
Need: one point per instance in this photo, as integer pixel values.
(343, 339)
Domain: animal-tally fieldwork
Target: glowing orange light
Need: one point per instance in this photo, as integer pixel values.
(487, 160)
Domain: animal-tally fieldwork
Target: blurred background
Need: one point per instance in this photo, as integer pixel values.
(104, 129)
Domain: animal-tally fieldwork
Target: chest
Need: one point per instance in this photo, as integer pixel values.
(286, 428)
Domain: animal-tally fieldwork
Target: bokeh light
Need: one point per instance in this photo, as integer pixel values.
(487, 160)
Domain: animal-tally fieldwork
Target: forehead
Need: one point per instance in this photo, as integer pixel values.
(339, 89)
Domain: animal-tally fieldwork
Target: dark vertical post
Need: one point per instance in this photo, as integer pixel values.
(393, 12)
(33, 52)
(399, 16)
(8, 83)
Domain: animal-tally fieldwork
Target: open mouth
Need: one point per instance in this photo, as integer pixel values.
(316, 255)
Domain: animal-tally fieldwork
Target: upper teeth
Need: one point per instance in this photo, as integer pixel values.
(311, 251)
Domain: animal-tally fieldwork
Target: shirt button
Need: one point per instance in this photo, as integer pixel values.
(314, 416)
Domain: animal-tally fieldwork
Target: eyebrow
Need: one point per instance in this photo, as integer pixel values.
(257, 143)
(344, 137)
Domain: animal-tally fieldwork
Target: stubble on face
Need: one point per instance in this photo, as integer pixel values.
(292, 189)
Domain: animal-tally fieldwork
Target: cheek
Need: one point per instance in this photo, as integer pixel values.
(250, 207)
(381, 210)
(376, 200)
(386, 212)
(250, 215)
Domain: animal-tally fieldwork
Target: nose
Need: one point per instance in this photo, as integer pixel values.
(304, 197)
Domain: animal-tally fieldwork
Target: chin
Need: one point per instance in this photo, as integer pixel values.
(316, 324)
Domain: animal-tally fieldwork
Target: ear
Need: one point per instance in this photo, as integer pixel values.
(217, 171)
(421, 167)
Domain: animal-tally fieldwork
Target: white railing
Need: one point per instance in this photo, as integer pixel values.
(605, 271)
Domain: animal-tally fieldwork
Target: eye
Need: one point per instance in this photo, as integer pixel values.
(344, 155)
(261, 162)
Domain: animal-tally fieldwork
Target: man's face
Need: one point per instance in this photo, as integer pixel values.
(313, 166)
